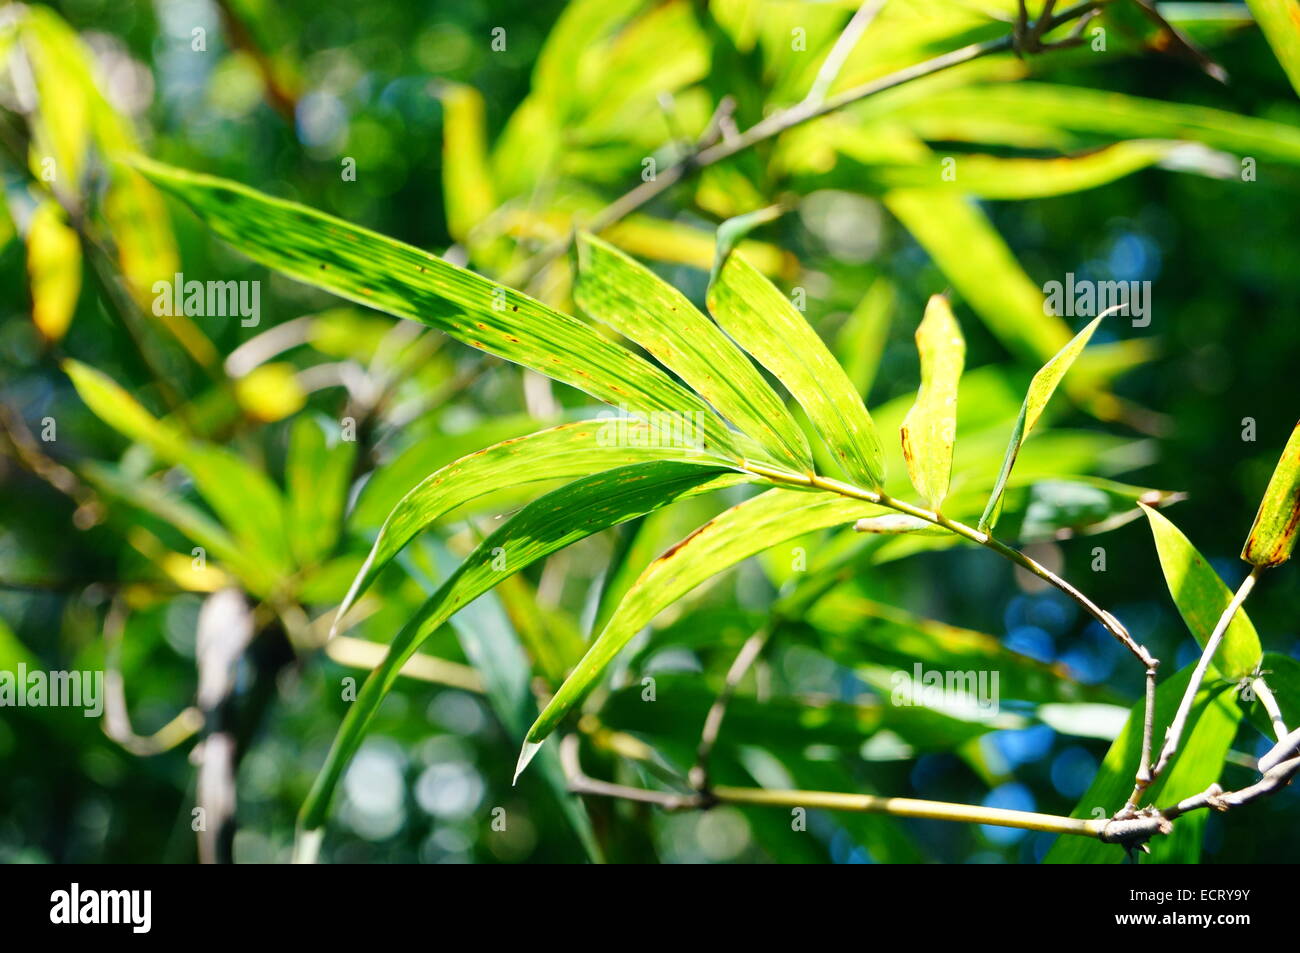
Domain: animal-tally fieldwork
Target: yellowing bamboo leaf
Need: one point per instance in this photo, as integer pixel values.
(1280, 21)
(466, 182)
(1041, 389)
(930, 427)
(54, 270)
(1273, 534)
(764, 322)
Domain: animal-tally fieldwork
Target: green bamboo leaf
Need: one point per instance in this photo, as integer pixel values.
(1273, 534)
(1280, 21)
(1211, 729)
(569, 450)
(983, 270)
(764, 322)
(371, 269)
(316, 477)
(748, 528)
(1023, 106)
(244, 499)
(493, 645)
(930, 427)
(550, 523)
(1041, 389)
(861, 341)
(247, 564)
(639, 305)
(1202, 597)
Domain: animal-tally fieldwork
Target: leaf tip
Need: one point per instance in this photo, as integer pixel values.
(526, 755)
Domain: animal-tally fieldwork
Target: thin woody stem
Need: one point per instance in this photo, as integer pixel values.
(1175, 732)
(1267, 699)
(745, 658)
(1111, 624)
(805, 111)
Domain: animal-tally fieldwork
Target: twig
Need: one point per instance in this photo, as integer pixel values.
(780, 122)
(749, 652)
(844, 44)
(1175, 732)
(1267, 699)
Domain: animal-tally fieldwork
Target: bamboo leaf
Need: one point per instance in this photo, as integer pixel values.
(639, 305)
(1211, 728)
(1202, 597)
(377, 271)
(969, 251)
(1280, 21)
(466, 181)
(1273, 534)
(762, 321)
(748, 528)
(564, 452)
(54, 270)
(1041, 389)
(540, 528)
(930, 427)
(244, 499)
(316, 477)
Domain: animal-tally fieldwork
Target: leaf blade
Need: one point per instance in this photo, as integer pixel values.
(1041, 388)
(764, 322)
(930, 427)
(639, 305)
(380, 272)
(1202, 597)
(1273, 534)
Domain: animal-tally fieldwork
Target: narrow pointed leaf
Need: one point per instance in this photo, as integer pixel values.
(642, 307)
(748, 528)
(317, 477)
(762, 321)
(930, 427)
(1280, 21)
(1202, 597)
(245, 500)
(1272, 537)
(1041, 389)
(369, 268)
(563, 452)
(540, 528)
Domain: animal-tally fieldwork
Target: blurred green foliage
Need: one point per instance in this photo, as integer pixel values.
(489, 156)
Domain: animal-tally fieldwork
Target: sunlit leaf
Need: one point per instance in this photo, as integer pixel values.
(244, 498)
(930, 427)
(1202, 597)
(567, 451)
(371, 269)
(639, 305)
(54, 270)
(1041, 389)
(1280, 21)
(737, 534)
(764, 322)
(540, 528)
(1273, 534)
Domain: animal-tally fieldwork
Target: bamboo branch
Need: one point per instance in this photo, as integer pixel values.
(1175, 731)
(782, 121)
